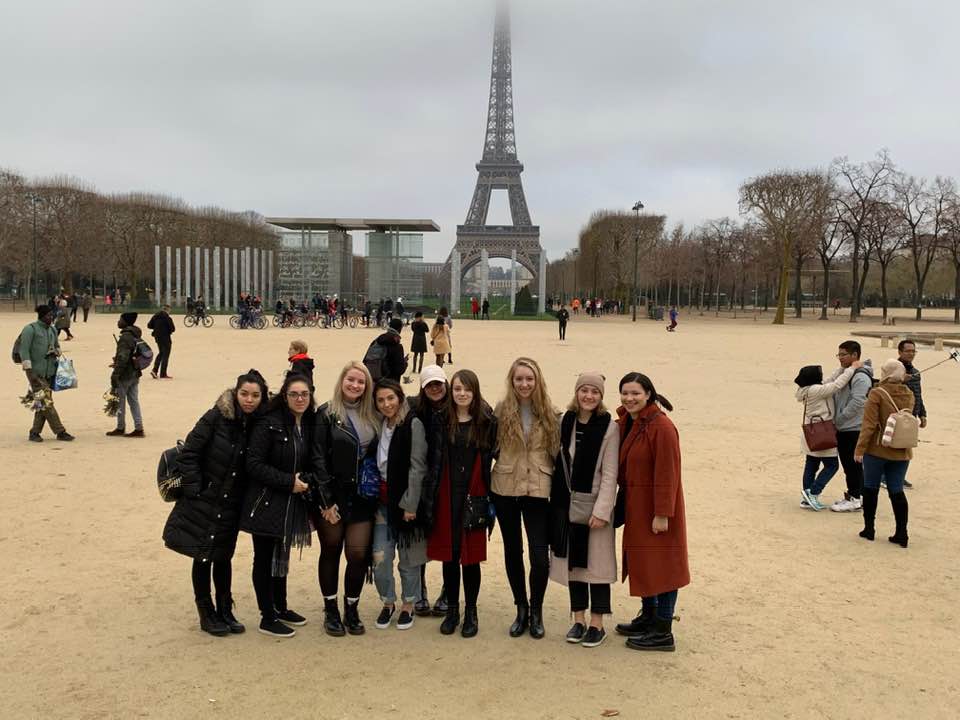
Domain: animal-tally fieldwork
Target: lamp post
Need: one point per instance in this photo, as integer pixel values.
(34, 199)
(636, 256)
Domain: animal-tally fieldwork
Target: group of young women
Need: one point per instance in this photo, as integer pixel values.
(382, 478)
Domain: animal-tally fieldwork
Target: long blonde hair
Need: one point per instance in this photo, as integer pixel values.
(367, 410)
(545, 432)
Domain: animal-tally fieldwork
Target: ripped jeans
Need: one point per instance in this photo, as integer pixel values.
(385, 549)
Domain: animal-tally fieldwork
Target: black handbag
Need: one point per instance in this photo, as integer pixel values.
(169, 475)
(476, 513)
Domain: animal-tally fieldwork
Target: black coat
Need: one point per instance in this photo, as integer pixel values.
(205, 520)
(275, 455)
(336, 464)
(302, 366)
(395, 364)
(435, 428)
(420, 331)
(162, 326)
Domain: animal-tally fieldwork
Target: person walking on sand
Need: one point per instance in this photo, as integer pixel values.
(86, 304)
(881, 462)
(563, 316)
(654, 519)
(475, 308)
(39, 353)
(125, 378)
(205, 521)
(582, 497)
(440, 340)
(163, 327)
(818, 405)
(63, 318)
(849, 402)
(485, 310)
(418, 345)
(449, 323)
(673, 318)
(907, 353)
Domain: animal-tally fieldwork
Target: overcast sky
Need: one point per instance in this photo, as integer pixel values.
(377, 108)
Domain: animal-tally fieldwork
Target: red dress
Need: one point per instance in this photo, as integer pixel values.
(473, 544)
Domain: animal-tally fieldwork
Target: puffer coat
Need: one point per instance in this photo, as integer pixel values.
(205, 520)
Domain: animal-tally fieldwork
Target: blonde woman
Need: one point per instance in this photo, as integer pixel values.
(346, 433)
(528, 439)
(440, 339)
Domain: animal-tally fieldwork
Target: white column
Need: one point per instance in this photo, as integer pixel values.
(513, 282)
(206, 277)
(455, 282)
(235, 274)
(188, 288)
(484, 273)
(169, 284)
(228, 302)
(247, 269)
(216, 278)
(542, 285)
(156, 268)
(179, 286)
(269, 296)
(196, 273)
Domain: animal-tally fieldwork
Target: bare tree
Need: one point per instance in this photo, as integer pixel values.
(886, 231)
(833, 238)
(952, 247)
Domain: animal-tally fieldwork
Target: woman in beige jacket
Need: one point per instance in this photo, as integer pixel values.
(440, 339)
(528, 438)
(584, 546)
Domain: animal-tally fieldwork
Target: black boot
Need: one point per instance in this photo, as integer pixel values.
(640, 625)
(470, 625)
(522, 621)
(536, 623)
(225, 611)
(351, 618)
(422, 606)
(452, 619)
(869, 512)
(440, 606)
(900, 507)
(332, 623)
(209, 620)
(660, 638)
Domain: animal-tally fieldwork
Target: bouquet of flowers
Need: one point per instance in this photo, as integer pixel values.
(112, 403)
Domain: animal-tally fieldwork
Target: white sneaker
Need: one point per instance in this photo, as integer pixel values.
(804, 503)
(812, 500)
(847, 505)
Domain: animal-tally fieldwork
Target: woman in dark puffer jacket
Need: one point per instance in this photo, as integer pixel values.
(206, 519)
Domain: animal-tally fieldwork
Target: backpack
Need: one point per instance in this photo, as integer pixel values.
(375, 360)
(902, 430)
(169, 475)
(16, 350)
(142, 357)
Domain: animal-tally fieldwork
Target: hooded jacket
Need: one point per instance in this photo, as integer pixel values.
(850, 399)
(302, 364)
(395, 364)
(124, 371)
(819, 403)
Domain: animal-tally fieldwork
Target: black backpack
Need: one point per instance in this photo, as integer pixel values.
(375, 360)
(142, 357)
(16, 350)
(169, 475)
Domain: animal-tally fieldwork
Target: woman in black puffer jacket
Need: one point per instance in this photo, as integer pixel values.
(275, 509)
(206, 519)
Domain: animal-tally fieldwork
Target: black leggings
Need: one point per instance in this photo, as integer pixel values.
(222, 578)
(535, 515)
(352, 540)
(417, 356)
(594, 595)
(271, 591)
(451, 583)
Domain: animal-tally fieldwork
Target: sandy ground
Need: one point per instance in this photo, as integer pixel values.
(789, 613)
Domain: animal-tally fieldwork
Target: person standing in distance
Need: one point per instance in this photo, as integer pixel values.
(563, 316)
(162, 326)
(907, 350)
(39, 350)
(125, 378)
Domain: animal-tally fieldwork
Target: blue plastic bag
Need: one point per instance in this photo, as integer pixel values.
(66, 377)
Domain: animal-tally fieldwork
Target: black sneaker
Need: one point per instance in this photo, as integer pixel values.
(35, 437)
(64, 436)
(422, 607)
(291, 618)
(576, 633)
(593, 637)
(276, 629)
(907, 484)
(404, 621)
(440, 606)
(385, 616)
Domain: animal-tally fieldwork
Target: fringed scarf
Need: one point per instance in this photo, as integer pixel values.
(296, 520)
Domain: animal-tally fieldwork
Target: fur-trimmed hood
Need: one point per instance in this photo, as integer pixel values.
(227, 404)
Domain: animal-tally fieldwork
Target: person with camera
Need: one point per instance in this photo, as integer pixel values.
(344, 445)
(276, 507)
(205, 521)
(458, 493)
(39, 351)
(582, 498)
(399, 527)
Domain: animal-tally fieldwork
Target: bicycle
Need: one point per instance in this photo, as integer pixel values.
(193, 320)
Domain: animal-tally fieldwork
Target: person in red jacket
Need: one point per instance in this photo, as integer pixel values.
(300, 362)
(655, 532)
(475, 308)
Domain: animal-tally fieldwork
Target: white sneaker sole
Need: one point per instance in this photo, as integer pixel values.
(276, 635)
(404, 627)
(301, 623)
(594, 644)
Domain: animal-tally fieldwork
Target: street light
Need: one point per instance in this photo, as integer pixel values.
(34, 199)
(636, 256)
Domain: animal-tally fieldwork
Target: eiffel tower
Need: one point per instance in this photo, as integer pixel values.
(499, 169)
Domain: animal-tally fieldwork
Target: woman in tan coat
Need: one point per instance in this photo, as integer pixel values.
(881, 462)
(655, 526)
(440, 339)
(528, 438)
(583, 538)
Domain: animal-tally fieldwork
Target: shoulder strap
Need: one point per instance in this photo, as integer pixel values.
(889, 398)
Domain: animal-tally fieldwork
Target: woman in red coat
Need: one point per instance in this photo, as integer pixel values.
(655, 533)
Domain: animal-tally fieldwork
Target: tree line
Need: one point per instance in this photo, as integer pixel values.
(834, 226)
(84, 237)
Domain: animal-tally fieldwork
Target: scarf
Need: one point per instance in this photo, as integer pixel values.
(296, 520)
(398, 460)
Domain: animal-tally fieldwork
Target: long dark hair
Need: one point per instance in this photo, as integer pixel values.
(394, 387)
(647, 385)
(279, 401)
(479, 410)
(254, 377)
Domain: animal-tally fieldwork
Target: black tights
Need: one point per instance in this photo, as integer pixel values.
(534, 513)
(222, 578)
(352, 540)
(451, 583)
(417, 356)
(271, 591)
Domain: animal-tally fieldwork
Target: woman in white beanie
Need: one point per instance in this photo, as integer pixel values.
(879, 461)
(582, 498)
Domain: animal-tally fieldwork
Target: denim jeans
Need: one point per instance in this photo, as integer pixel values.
(129, 392)
(385, 548)
(876, 469)
(663, 604)
(816, 483)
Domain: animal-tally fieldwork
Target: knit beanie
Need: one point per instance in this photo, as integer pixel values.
(130, 318)
(396, 324)
(42, 311)
(591, 377)
(893, 370)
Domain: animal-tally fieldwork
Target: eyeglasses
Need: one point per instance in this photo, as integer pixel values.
(843, 355)
(298, 395)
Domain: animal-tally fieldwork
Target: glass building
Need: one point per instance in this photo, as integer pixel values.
(394, 265)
